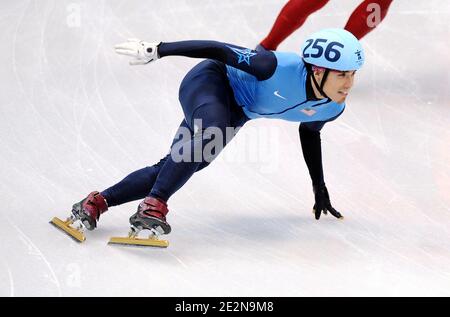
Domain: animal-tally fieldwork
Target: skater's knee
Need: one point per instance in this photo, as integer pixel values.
(215, 133)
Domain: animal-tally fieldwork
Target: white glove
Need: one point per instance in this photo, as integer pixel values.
(143, 52)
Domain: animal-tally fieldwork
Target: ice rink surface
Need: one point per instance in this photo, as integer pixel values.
(76, 118)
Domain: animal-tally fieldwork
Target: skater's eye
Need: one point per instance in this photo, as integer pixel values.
(343, 74)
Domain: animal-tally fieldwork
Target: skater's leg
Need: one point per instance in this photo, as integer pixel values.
(138, 184)
(359, 23)
(134, 186)
(205, 95)
(189, 157)
(291, 17)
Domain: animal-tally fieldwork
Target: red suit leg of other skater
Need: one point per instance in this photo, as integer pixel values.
(291, 17)
(359, 23)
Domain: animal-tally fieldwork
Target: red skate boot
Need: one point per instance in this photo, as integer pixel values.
(89, 209)
(151, 215)
(84, 214)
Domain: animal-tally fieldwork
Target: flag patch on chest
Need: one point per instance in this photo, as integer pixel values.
(308, 112)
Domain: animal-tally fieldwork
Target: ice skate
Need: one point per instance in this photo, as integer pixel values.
(72, 226)
(84, 216)
(151, 215)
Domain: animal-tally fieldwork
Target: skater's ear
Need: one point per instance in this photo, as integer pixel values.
(318, 74)
(318, 71)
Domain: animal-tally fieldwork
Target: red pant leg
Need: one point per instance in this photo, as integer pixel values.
(291, 17)
(359, 24)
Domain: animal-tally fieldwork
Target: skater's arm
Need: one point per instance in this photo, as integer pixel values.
(261, 64)
(312, 150)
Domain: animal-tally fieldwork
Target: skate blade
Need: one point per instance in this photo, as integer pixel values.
(65, 226)
(150, 242)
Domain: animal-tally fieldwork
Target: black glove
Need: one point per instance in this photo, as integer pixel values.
(323, 203)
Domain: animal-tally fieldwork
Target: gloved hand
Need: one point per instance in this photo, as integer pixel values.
(143, 52)
(323, 204)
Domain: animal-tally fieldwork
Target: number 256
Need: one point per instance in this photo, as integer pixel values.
(332, 54)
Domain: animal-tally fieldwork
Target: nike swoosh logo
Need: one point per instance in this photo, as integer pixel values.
(308, 112)
(278, 95)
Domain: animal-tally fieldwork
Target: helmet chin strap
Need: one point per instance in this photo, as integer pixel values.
(322, 83)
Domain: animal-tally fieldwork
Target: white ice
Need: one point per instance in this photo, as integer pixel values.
(76, 118)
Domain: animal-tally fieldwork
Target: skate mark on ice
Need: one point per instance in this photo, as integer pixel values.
(179, 260)
(32, 247)
(11, 279)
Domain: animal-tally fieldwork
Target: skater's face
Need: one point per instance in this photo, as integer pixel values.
(337, 85)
